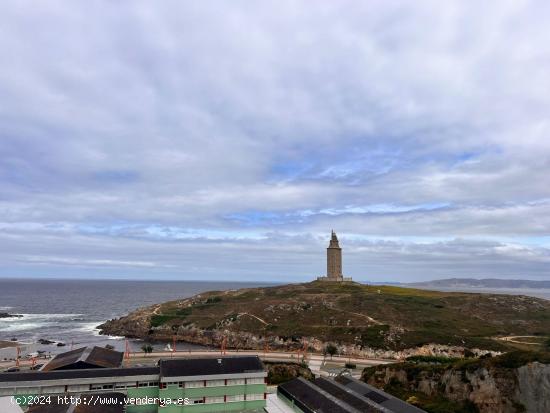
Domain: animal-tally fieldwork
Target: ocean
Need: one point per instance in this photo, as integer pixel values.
(68, 311)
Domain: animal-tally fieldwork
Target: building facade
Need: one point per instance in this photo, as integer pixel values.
(223, 384)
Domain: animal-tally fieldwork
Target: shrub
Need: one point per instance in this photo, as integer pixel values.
(331, 350)
(278, 373)
(469, 353)
(147, 348)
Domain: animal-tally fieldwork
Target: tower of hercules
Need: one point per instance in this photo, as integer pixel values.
(334, 261)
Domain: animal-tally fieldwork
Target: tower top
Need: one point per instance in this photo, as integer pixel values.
(333, 240)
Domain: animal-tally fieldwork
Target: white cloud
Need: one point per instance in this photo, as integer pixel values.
(139, 119)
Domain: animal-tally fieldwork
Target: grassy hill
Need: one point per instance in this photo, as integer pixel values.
(383, 317)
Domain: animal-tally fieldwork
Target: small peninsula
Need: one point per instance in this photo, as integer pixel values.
(382, 321)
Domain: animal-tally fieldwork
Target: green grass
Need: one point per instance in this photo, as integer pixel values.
(343, 313)
(161, 319)
(374, 336)
(179, 314)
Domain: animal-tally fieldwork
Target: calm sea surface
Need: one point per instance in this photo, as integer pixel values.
(69, 311)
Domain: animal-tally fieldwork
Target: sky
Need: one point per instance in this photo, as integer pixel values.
(221, 140)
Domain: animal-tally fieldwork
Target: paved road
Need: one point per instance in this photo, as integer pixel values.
(270, 355)
(314, 359)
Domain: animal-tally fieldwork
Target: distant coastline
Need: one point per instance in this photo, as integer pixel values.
(531, 288)
(484, 283)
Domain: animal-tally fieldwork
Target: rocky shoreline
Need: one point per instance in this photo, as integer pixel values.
(8, 315)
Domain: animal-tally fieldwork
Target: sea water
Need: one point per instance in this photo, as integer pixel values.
(69, 311)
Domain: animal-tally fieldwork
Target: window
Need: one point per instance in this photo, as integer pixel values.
(255, 380)
(72, 388)
(258, 396)
(234, 382)
(192, 384)
(196, 401)
(101, 386)
(35, 390)
(126, 385)
(215, 383)
(217, 399)
(235, 398)
(52, 390)
(148, 384)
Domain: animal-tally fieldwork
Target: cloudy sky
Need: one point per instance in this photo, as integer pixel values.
(224, 140)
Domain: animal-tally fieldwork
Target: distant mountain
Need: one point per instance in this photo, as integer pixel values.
(483, 283)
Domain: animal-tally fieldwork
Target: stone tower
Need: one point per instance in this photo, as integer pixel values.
(334, 261)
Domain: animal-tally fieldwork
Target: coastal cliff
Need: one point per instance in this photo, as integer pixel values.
(516, 382)
(376, 321)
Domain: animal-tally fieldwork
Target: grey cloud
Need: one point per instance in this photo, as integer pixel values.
(133, 115)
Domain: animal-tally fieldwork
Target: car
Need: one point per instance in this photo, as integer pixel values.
(37, 366)
(12, 370)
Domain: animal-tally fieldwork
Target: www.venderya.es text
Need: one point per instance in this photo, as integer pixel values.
(97, 400)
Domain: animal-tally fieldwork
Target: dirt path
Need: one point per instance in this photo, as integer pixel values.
(514, 339)
(372, 320)
(256, 317)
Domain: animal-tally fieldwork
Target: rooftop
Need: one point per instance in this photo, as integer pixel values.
(85, 357)
(78, 374)
(343, 394)
(310, 398)
(205, 366)
(211, 366)
(353, 399)
(378, 396)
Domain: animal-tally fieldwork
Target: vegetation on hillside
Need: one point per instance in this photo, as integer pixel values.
(432, 404)
(281, 372)
(426, 368)
(381, 317)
